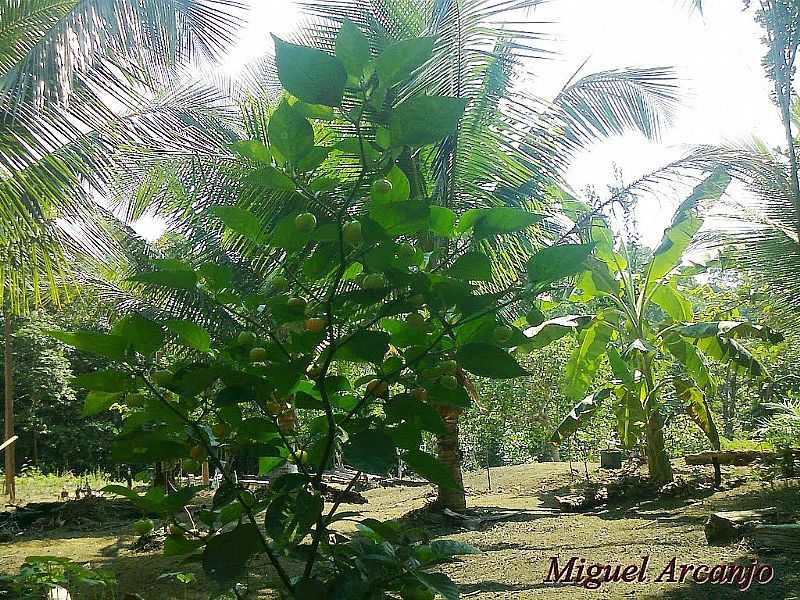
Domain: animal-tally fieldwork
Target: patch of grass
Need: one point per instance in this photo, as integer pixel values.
(35, 486)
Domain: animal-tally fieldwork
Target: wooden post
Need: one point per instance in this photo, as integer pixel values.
(204, 469)
(8, 430)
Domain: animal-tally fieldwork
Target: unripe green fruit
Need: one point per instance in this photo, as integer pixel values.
(449, 382)
(274, 408)
(382, 186)
(258, 354)
(449, 367)
(351, 232)
(297, 305)
(143, 527)
(374, 281)
(503, 333)
(280, 283)
(162, 377)
(301, 457)
(247, 339)
(305, 222)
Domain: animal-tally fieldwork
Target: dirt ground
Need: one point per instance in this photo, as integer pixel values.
(517, 551)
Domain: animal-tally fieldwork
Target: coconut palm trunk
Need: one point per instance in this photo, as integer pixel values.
(449, 454)
(8, 432)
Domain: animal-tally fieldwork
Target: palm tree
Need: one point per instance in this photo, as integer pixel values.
(761, 234)
(512, 147)
(79, 83)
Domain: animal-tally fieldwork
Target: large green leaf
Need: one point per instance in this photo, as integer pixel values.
(579, 415)
(144, 335)
(290, 133)
(596, 280)
(685, 224)
(692, 360)
(106, 381)
(174, 279)
(731, 329)
(110, 346)
(98, 402)
(439, 583)
(226, 555)
(672, 302)
(312, 75)
(730, 351)
(402, 58)
(253, 150)
(490, 361)
(365, 346)
(697, 407)
(557, 262)
(628, 410)
(371, 451)
(352, 49)
(472, 266)
(488, 222)
(585, 360)
(430, 468)
(552, 330)
(190, 334)
(423, 120)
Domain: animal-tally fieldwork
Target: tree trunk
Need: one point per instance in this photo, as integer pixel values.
(8, 374)
(657, 460)
(449, 454)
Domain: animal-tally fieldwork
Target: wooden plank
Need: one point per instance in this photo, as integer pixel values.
(738, 458)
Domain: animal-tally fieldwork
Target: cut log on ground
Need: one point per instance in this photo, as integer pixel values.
(726, 527)
(783, 538)
(738, 458)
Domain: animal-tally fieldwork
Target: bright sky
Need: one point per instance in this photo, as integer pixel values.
(717, 55)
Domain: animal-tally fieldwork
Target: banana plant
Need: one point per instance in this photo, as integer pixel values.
(637, 339)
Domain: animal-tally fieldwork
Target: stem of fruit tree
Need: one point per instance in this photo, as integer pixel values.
(216, 462)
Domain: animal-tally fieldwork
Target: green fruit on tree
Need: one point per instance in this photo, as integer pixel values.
(297, 305)
(351, 232)
(374, 281)
(420, 394)
(247, 499)
(449, 367)
(280, 283)
(315, 325)
(382, 186)
(143, 527)
(258, 354)
(247, 339)
(300, 456)
(305, 222)
(449, 381)
(198, 453)
(221, 430)
(162, 377)
(503, 333)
